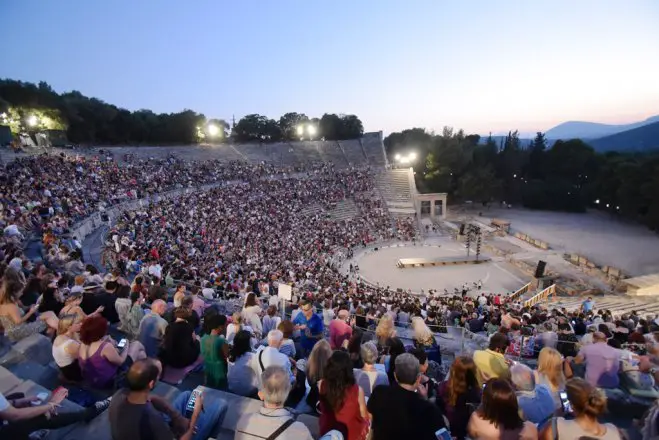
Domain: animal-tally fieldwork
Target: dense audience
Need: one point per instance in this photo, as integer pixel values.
(195, 288)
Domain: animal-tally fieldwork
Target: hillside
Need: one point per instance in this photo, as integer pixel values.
(638, 139)
(592, 130)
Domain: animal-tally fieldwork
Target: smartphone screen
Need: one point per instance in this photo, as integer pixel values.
(443, 434)
(189, 408)
(567, 406)
(122, 343)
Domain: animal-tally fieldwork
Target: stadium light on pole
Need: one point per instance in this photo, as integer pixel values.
(300, 130)
(311, 130)
(32, 120)
(407, 159)
(213, 130)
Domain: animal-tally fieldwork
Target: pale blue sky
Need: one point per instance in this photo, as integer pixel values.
(478, 65)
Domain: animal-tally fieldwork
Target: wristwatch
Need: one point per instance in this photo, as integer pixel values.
(653, 370)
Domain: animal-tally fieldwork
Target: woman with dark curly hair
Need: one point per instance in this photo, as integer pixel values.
(342, 402)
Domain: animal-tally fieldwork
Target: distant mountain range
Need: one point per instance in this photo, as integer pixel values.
(592, 130)
(642, 138)
(638, 136)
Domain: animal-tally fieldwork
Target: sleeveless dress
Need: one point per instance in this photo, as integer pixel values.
(215, 366)
(96, 370)
(348, 419)
(15, 332)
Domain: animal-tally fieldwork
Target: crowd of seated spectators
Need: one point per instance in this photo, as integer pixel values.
(334, 351)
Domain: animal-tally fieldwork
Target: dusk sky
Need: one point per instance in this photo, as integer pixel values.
(478, 65)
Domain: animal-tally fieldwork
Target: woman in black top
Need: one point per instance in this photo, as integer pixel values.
(180, 344)
(50, 301)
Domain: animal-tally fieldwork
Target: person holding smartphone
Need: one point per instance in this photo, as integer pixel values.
(587, 404)
(20, 416)
(137, 414)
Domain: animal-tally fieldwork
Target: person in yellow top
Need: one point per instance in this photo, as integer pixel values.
(490, 363)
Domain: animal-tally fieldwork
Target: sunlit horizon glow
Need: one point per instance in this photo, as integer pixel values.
(482, 66)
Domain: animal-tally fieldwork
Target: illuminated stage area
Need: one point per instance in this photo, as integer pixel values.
(381, 267)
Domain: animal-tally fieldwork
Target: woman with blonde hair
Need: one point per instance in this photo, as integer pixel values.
(550, 373)
(588, 404)
(235, 326)
(384, 331)
(423, 337)
(15, 321)
(66, 347)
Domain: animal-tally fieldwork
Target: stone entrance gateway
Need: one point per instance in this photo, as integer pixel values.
(433, 205)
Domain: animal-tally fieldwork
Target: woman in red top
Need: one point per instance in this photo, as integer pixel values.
(342, 402)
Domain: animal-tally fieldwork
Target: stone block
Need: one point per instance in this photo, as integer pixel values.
(8, 381)
(29, 371)
(166, 391)
(97, 429)
(36, 348)
(238, 405)
(13, 357)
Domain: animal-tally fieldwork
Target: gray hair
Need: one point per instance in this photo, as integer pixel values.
(275, 385)
(522, 377)
(369, 353)
(407, 369)
(275, 337)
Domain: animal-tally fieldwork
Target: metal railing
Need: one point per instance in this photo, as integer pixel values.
(540, 296)
(521, 291)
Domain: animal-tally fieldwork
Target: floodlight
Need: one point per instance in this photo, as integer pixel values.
(397, 157)
(213, 129)
(32, 121)
(300, 130)
(412, 156)
(311, 130)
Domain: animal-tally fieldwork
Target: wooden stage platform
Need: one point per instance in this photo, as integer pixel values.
(404, 263)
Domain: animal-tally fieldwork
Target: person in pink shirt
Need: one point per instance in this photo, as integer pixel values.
(339, 329)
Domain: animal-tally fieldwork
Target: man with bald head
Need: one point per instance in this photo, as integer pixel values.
(152, 328)
(339, 330)
(602, 362)
(136, 414)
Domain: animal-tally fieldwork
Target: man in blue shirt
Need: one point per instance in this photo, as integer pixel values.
(587, 305)
(311, 326)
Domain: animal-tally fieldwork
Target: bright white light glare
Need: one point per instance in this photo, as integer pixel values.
(397, 157)
(412, 156)
(597, 201)
(404, 160)
(32, 121)
(213, 129)
(300, 130)
(514, 176)
(607, 205)
(617, 207)
(311, 130)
